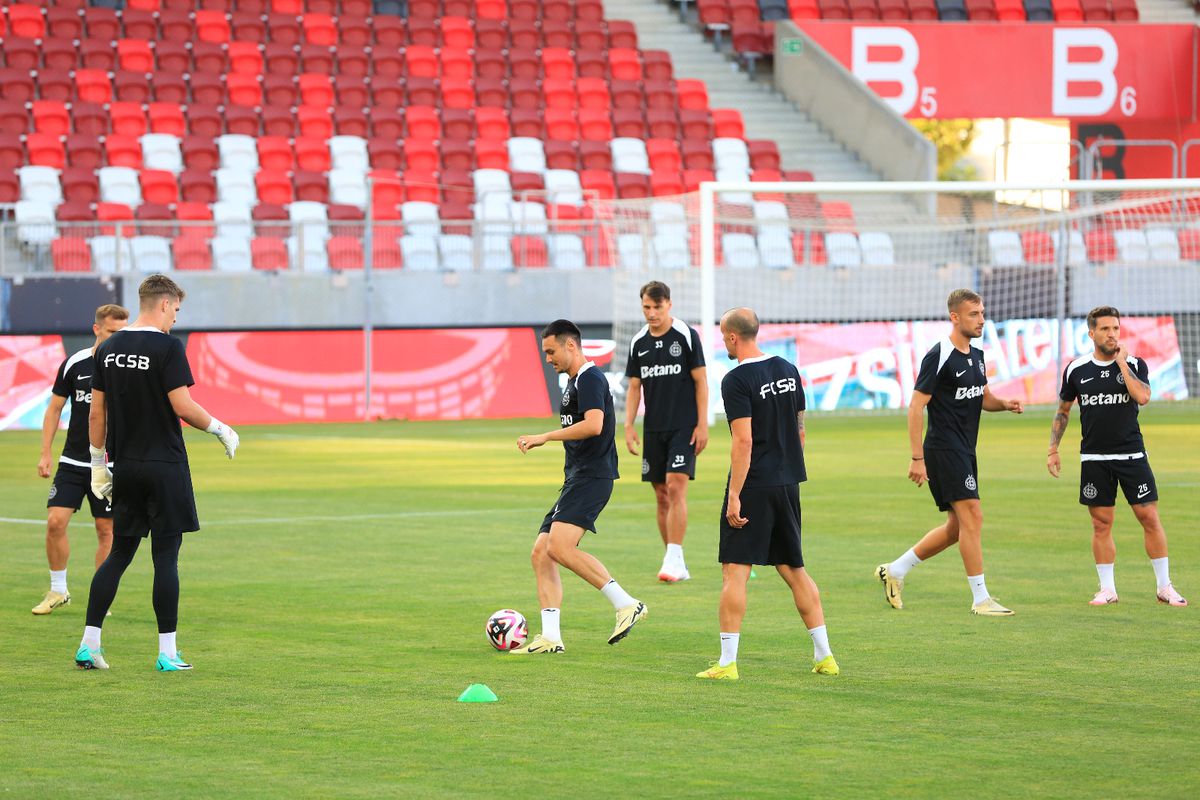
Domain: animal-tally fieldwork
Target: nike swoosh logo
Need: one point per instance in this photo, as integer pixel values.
(81, 377)
(1085, 380)
(1143, 494)
(959, 374)
(642, 353)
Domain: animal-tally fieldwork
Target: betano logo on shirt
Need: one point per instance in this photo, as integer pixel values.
(968, 392)
(127, 360)
(83, 397)
(661, 370)
(1103, 399)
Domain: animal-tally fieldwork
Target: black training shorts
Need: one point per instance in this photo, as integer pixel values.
(668, 451)
(1098, 482)
(71, 484)
(153, 497)
(580, 501)
(772, 533)
(952, 476)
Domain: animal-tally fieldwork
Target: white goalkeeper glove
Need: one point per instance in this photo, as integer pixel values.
(227, 435)
(102, 483)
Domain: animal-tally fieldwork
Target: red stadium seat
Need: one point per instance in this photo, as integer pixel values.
(556, 33)
(558, 63)
(56, 54)
(600, 182)
(977, 10)
(627, 94)
(242, 119)
(209, 57)
(191, 253)
(135, 55)
(666, 182)
(664, 155)
(80, 186)
(1124, 10)
(1101, 246)
(312, 186)
(191, 212)
(561, 124)
(629, 122)
(283, 29)
(312, 154)
(128, 119)
(422, 91)
(696, 124)
(70, 254)
(279, 90)
(315, 121)
(83, 150)
(45, 150)
(245, 58)
(350, 121)
(727, 123)
(101, 23)
(656, 64)
(123, 151)
(596, 155)
(268, 253)
(561, 155)
(212, 26)
(591, 35)
(13, 117)
(91, 86)
(697, 154)
(51, 117)
(166, 118)
(1064, 10)
(591, 64)
(345, 252)
(662, 123)
(320, 29)
(200, 153)
(491, 154)
(492, 124)
(117, 213)
(527, 122)
(170, 87)
(275, 153)
(622, 34)
(139, 23)
(248, 27)
(26, 22)
(12, 152)
(63, 23)
(316, 89)
(423, 122)
(595, 124)
(280, 59)
(1037, 247)
(244, 90)
(529, 252)
(693, 94)
(490, 34)
(625, 64)
(525, 93)
(158, 186)
(456, 63)
(594, 94)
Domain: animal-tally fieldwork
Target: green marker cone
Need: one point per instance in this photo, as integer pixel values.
(753, 574)
(477, 693)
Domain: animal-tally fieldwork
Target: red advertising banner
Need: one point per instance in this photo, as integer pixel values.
(318, 376)
(964, 70)
(27, 368)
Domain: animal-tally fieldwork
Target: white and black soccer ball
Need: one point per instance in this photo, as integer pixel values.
(506, 629)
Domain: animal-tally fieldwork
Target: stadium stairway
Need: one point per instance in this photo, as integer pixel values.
(803, 144)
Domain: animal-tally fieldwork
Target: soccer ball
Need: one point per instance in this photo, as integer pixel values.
(506, 629)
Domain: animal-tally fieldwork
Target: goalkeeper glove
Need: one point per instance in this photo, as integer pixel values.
(102, 483)
(227, 435)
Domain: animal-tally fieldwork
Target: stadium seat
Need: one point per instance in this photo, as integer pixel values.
(191, 253)
(111, 254)
(348, 187)
(150, 254)
(238, 152)
(269, 254)
(70, 255)
(1163, 244)
(155, 219)
(167, 118)
(419, 252)
(35, 223)
(232, 254)
(271, 220)
(272, 187)
(45, 150)
(842, 249)
(157, 186)
(877, 248)
(1101, 246)
(739, 250)
(1006, 249)
(120, 185)
(50, 117)
(1131, 246)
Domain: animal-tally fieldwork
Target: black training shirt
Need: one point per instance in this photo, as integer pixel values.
(664, 365)
(74, 382)
(596, 456)
(1108, 414)
(955, 382)
(767, 389)
(136, 368)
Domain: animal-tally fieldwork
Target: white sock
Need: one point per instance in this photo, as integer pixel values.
(902, 565)
(820, 639)
(1162, 572)
(674, 554)
(616, 595)
(166, 644)
(978, 588)
(729, 645)
(91, 638)
(58, 581)
(1105, 571)
(550, 629)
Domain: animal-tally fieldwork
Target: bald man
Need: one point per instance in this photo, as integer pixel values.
(764, 404)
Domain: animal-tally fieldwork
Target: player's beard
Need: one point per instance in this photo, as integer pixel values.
(1106, 351)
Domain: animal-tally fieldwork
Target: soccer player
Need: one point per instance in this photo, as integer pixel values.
(587, 433)
(666, 359)
(139, 394)
(760, 520)
(1110, 384)
(952, 384)
(73, 477)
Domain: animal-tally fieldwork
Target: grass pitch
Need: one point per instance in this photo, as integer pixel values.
(334, 603)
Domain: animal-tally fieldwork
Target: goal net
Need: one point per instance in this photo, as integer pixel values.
(850, 279)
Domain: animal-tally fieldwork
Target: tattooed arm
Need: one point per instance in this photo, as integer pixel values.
(1057, 429)
(800, 426)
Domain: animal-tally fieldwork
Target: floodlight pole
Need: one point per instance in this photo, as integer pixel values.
(368, 296)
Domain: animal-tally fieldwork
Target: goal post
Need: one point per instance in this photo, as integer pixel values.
(850, 278)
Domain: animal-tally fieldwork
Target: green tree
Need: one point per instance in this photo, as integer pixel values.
(952, 138)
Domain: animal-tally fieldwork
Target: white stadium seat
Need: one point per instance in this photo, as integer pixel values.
(1163, 243)
(566, 251)
(232, 219)
(308, 254)
(151, 254)
(348, 187)
(111, 253)
(1132, 247)
(1005, 247)
(120, 185)
(670, 251)
(740, 250)
(420, 252)
(497, 252)
(35, 223)
(349, 152)
(40, 184)
(232, 254)
(775, 248)
(420, 219)
(877, 249)
(528, 217)
(236, 186)
(309, 219)
(161, 151)
(457, 251)
(842, 250)
(562, 187)
(631, 251)
(238, 151)
(526, 154)
(629, 155)
(1076, 249)
(731, 154)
